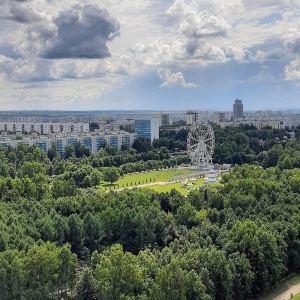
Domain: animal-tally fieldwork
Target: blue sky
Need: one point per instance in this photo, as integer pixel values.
(149, 54)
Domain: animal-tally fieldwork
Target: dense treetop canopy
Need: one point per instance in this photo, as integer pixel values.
(60, 235)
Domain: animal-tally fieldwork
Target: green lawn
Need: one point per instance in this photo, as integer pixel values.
(281, 288)
(145, 177)
(296, 297)
(178, 186)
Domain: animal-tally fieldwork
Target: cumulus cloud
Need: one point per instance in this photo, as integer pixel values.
(228, 8)
(197, 24)
(78, 69)
(173, 79)
(82, 32)
(203, 25)
(292, 40)
(292, 71)
(271, 55)
(236, 53)
(158, 53)
(189, 51)
(22, 14)
(18, 11)
(40, 69)
(204, 51)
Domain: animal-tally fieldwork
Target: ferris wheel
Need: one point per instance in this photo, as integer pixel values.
(200, 144)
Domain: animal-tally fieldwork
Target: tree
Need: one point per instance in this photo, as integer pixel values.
(67, 269)
(69, 151)
(41, 265)
(3, 243)
(95, 177)
(11, 275)
(118, 274)
(86, 287)
(111, 174)
(94, 231)
(76, 233)
(30, 169)
(175, 284)
(141, 145)
(242, 275)
(52, 152)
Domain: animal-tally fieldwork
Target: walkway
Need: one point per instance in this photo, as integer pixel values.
(294, 289)
(142, 185)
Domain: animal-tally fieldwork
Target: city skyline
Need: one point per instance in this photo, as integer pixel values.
(149, 54)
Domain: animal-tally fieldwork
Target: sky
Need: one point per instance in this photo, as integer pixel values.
(149, 54)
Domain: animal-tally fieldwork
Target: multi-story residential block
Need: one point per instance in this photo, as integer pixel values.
(95, 141)
(259, 124)
(221, 116)
(109, 127)
(191, 117)
(204, 116)
(164, 119)
(44, 128)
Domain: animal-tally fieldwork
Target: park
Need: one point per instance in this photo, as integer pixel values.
(158, 180)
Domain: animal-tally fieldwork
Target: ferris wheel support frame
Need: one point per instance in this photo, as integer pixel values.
(200, 144)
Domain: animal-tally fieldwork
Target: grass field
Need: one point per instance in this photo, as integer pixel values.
(136, 179)
(282, 287)
(178, 186)
(296, 297)
(147, 177)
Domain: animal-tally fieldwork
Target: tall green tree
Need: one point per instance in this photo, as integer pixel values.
(41, 265)
(118, 274)
(86, 288)
(111, 175)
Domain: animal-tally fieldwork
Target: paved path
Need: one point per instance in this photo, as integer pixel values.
(294, 289)
(143, 185)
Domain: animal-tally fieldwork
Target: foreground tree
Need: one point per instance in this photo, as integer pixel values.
(175, 284)
(111, 174)
(86, 287)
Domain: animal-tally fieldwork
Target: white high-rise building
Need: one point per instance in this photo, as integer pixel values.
(147, 128)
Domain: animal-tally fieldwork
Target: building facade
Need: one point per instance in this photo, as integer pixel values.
(191, 117)
(44, 128)
(147, 129)
(260, 124)
(164, 119)
(221, 116)
(95, 141)
(238, 111)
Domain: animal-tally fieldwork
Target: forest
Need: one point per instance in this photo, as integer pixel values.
(63, 238)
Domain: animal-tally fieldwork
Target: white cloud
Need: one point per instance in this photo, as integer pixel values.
(173, 79)
(292, 71)
(236, 52)
(197, 24)
(179, 52)
(292, 40)
(190, 35)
